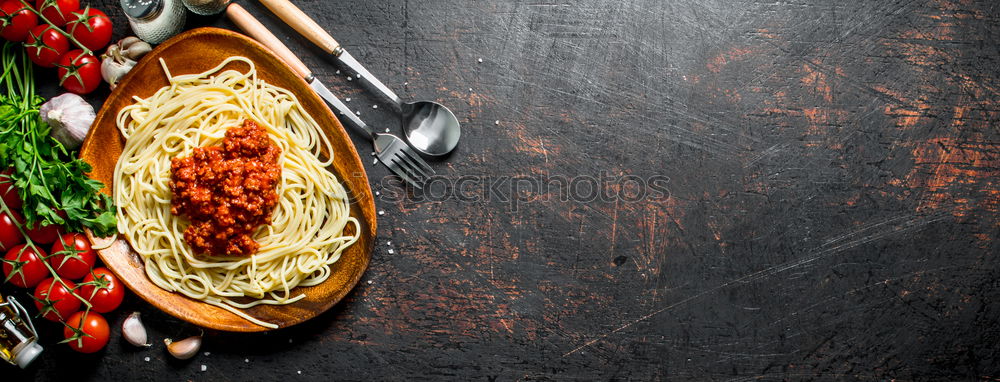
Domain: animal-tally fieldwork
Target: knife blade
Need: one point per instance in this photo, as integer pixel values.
(326, 95)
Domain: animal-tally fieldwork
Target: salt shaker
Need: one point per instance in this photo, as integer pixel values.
(154, 21)
(206, 7)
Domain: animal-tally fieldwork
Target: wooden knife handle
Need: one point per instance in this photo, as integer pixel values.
(302, 23)
(259, 32)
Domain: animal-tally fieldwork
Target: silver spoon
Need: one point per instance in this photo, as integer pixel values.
(429, 127)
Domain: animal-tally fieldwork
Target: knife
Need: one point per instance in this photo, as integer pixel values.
(305, 25)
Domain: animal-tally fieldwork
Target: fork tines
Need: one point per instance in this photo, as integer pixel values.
(410, 167)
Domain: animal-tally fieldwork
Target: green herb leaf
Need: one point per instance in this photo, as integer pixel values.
(49, 177)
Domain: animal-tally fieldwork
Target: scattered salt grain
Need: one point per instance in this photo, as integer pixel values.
(359, 75)
(300, 371)
(369, 282)
(406, 83)
(377, 193)
(203, 367)
(387, 129)
(480, 60)
(147, 359)
(375, 161)
(289, 340)
(358, 112)
(348, 99)
(391, 251)
(374, 106)
(470, 89)
(373, 153)
(338, 72)
(388, 243)
(246, 360)
(208, 353)
(497, 122)
(349, 78)
(380, 213)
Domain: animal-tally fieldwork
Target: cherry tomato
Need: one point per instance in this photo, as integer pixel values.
(103, 290)
(7, 189)
(90, 27)
(55, 300)
(72, 256)
(9, 234)
(45, 45)
(29, 261)
(57, 11)
(46, 234)
(78, 72)
(18, 20)
(90, 330)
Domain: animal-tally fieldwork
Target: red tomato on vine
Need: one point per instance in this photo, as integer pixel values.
(90, 27)
(16, 20)
(86, 332)
(46, 45)
(57, 11)
(78, 72)
(103, 290)
(55, 300)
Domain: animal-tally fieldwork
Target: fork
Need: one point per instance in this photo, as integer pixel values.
(390, 150)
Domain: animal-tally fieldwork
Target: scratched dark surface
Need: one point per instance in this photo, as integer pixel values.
(832, 211)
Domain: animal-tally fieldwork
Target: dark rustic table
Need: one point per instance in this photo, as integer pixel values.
(652, 190)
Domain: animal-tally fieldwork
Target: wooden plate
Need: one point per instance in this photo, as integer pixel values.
(196, 51)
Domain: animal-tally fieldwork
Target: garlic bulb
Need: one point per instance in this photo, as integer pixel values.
(70, 117)
(122, 57)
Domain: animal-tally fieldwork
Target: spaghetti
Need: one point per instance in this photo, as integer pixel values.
(307, 230)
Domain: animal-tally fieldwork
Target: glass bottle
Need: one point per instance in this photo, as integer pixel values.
(154, 21)
(18, 343)
(206, 7)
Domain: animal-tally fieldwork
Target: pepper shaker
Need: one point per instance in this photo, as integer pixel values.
(154, 21)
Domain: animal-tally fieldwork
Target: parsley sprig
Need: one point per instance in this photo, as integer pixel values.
(47, 177)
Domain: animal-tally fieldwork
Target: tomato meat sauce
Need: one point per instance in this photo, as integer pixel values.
(227, 191)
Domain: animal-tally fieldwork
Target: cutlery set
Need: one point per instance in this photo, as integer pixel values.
(429, 127)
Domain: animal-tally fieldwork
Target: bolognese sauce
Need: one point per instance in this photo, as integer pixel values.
(227, 191)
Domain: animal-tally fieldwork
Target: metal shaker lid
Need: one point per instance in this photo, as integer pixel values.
(142, 9)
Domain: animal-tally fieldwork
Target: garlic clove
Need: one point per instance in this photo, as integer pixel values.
(112, 71)
(133, 330)
(128, 41)
(136, 50)
(128, 48)
(114, 51)
(185, 348)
